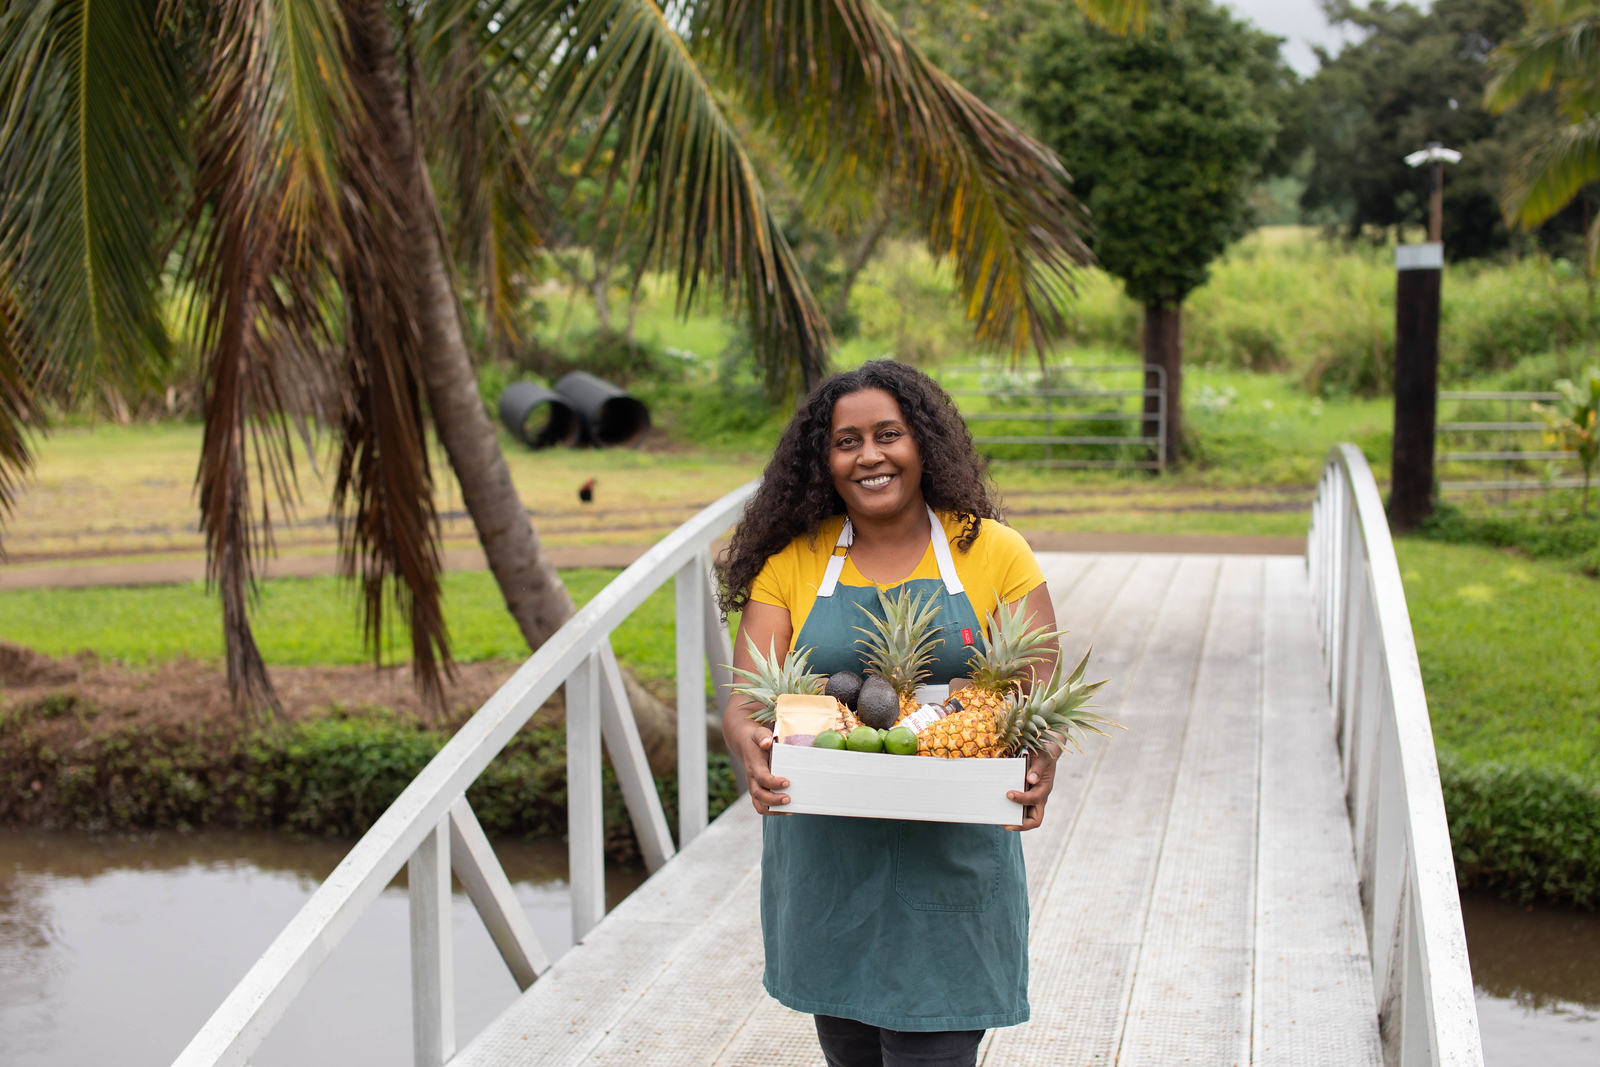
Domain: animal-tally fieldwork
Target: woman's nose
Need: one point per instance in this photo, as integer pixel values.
(870, 453)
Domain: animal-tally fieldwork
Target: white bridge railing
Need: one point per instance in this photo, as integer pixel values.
(1426, 1012)
(431, 829)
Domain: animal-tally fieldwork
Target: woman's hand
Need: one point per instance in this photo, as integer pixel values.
(1041, 779)
(753, 745)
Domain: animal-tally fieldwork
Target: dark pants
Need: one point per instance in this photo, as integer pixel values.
(847, 1043)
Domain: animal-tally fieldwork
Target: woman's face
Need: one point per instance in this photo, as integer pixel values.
(874, 460)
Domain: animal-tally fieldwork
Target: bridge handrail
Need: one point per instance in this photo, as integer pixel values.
(431, 828)
(1421, 975)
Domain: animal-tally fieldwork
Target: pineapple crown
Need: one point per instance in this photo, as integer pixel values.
(773, 678)
(900, 645)
(1012, 647)
(1051, 712)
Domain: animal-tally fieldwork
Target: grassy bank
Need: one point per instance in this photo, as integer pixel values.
(1509, 646)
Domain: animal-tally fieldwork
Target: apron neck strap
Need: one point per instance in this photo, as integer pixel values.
(941, 554)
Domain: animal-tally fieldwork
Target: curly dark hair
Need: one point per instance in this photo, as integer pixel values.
(797, 493)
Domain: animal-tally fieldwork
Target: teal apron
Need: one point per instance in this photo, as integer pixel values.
(905, 925)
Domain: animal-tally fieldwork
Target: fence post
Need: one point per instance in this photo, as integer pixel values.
(689, 586)
(585, 819)
(433, 1009)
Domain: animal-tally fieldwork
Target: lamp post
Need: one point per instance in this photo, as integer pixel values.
(1416, 355)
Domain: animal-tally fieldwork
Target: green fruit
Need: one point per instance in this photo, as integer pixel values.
(864, 739)
(829, 739)
(878, 705)
(883, 735)
(901, 741)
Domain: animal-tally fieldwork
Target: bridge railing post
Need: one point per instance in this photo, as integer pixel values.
(690, 594)
(433, 1008)
(586, 870)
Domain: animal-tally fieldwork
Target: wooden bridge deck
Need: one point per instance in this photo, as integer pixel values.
(1193, 886)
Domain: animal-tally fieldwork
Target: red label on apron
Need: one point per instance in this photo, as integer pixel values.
(966, 635)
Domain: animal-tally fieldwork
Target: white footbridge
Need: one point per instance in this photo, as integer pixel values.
(1258, 871)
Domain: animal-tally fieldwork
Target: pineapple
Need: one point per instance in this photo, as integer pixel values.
(1051, 713)
(1026, 722)
(997, 672)
(772, 679)
(900, 645)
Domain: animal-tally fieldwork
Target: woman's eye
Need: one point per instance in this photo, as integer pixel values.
(845, 443)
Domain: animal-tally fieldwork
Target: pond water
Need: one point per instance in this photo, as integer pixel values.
(116, 949)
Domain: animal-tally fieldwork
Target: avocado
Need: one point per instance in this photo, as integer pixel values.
(878, 706)
(844, 687)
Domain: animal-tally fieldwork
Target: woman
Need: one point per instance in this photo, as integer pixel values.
(906, 940)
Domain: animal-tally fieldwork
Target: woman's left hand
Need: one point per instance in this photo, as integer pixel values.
(1041, 779)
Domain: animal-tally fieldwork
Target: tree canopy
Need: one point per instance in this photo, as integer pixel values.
(1165, 136)
(1416, 77)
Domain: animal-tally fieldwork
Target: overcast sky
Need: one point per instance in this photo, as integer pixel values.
(1302, 25)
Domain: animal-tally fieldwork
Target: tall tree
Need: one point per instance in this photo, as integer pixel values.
(1166, 135)
(292, 147)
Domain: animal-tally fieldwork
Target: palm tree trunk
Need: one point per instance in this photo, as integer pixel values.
(533, 592)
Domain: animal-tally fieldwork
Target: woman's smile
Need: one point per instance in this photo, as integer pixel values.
(875, 482)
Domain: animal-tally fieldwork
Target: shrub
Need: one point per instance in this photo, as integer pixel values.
(1524, 831)
(330, 777)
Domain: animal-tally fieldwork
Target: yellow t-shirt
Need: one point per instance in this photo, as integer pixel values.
(998, 566)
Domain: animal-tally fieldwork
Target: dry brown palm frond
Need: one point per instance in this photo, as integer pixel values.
(296, 255)
(17, 412)
(384, 492)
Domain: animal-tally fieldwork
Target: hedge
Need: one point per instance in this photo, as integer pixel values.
(330, 777)
(1524, 831)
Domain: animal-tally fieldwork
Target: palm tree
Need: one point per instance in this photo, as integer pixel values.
(273, 163)
(1560, 50)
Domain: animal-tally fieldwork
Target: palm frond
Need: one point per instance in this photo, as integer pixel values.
(1545, 181)
(618, 66)
(1562, 44)
(258, 255)
(90, 149)
(17, 411)
(298, 253)
(383, 495)
(851, 93)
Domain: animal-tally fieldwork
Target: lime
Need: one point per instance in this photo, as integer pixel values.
(901, 741)
(864, 739)
(829, 739)
(883, 735)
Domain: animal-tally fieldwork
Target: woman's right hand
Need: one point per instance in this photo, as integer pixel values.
(754, 746)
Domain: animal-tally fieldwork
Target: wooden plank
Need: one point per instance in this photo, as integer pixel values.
(586, 834)
(591, 990)
(689, 594)
(433, 1001)
(620, 733)
(478, 868)
(1191, 995)
(1087, 925)
(1314, 1001)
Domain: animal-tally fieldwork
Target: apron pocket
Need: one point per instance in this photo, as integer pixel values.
(947, 866)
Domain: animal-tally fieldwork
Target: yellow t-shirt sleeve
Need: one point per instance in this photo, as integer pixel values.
(1007, 563)
(776, 583)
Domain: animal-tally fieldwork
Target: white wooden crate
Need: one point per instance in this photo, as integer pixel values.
(876, 785)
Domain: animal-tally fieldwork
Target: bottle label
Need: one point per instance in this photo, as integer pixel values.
(923, 717)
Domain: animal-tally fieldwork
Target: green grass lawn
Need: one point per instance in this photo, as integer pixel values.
(1510, 653)
(302, 622)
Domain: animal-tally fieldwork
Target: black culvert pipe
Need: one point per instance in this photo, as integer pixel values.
(538, 417)
(610, 416)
